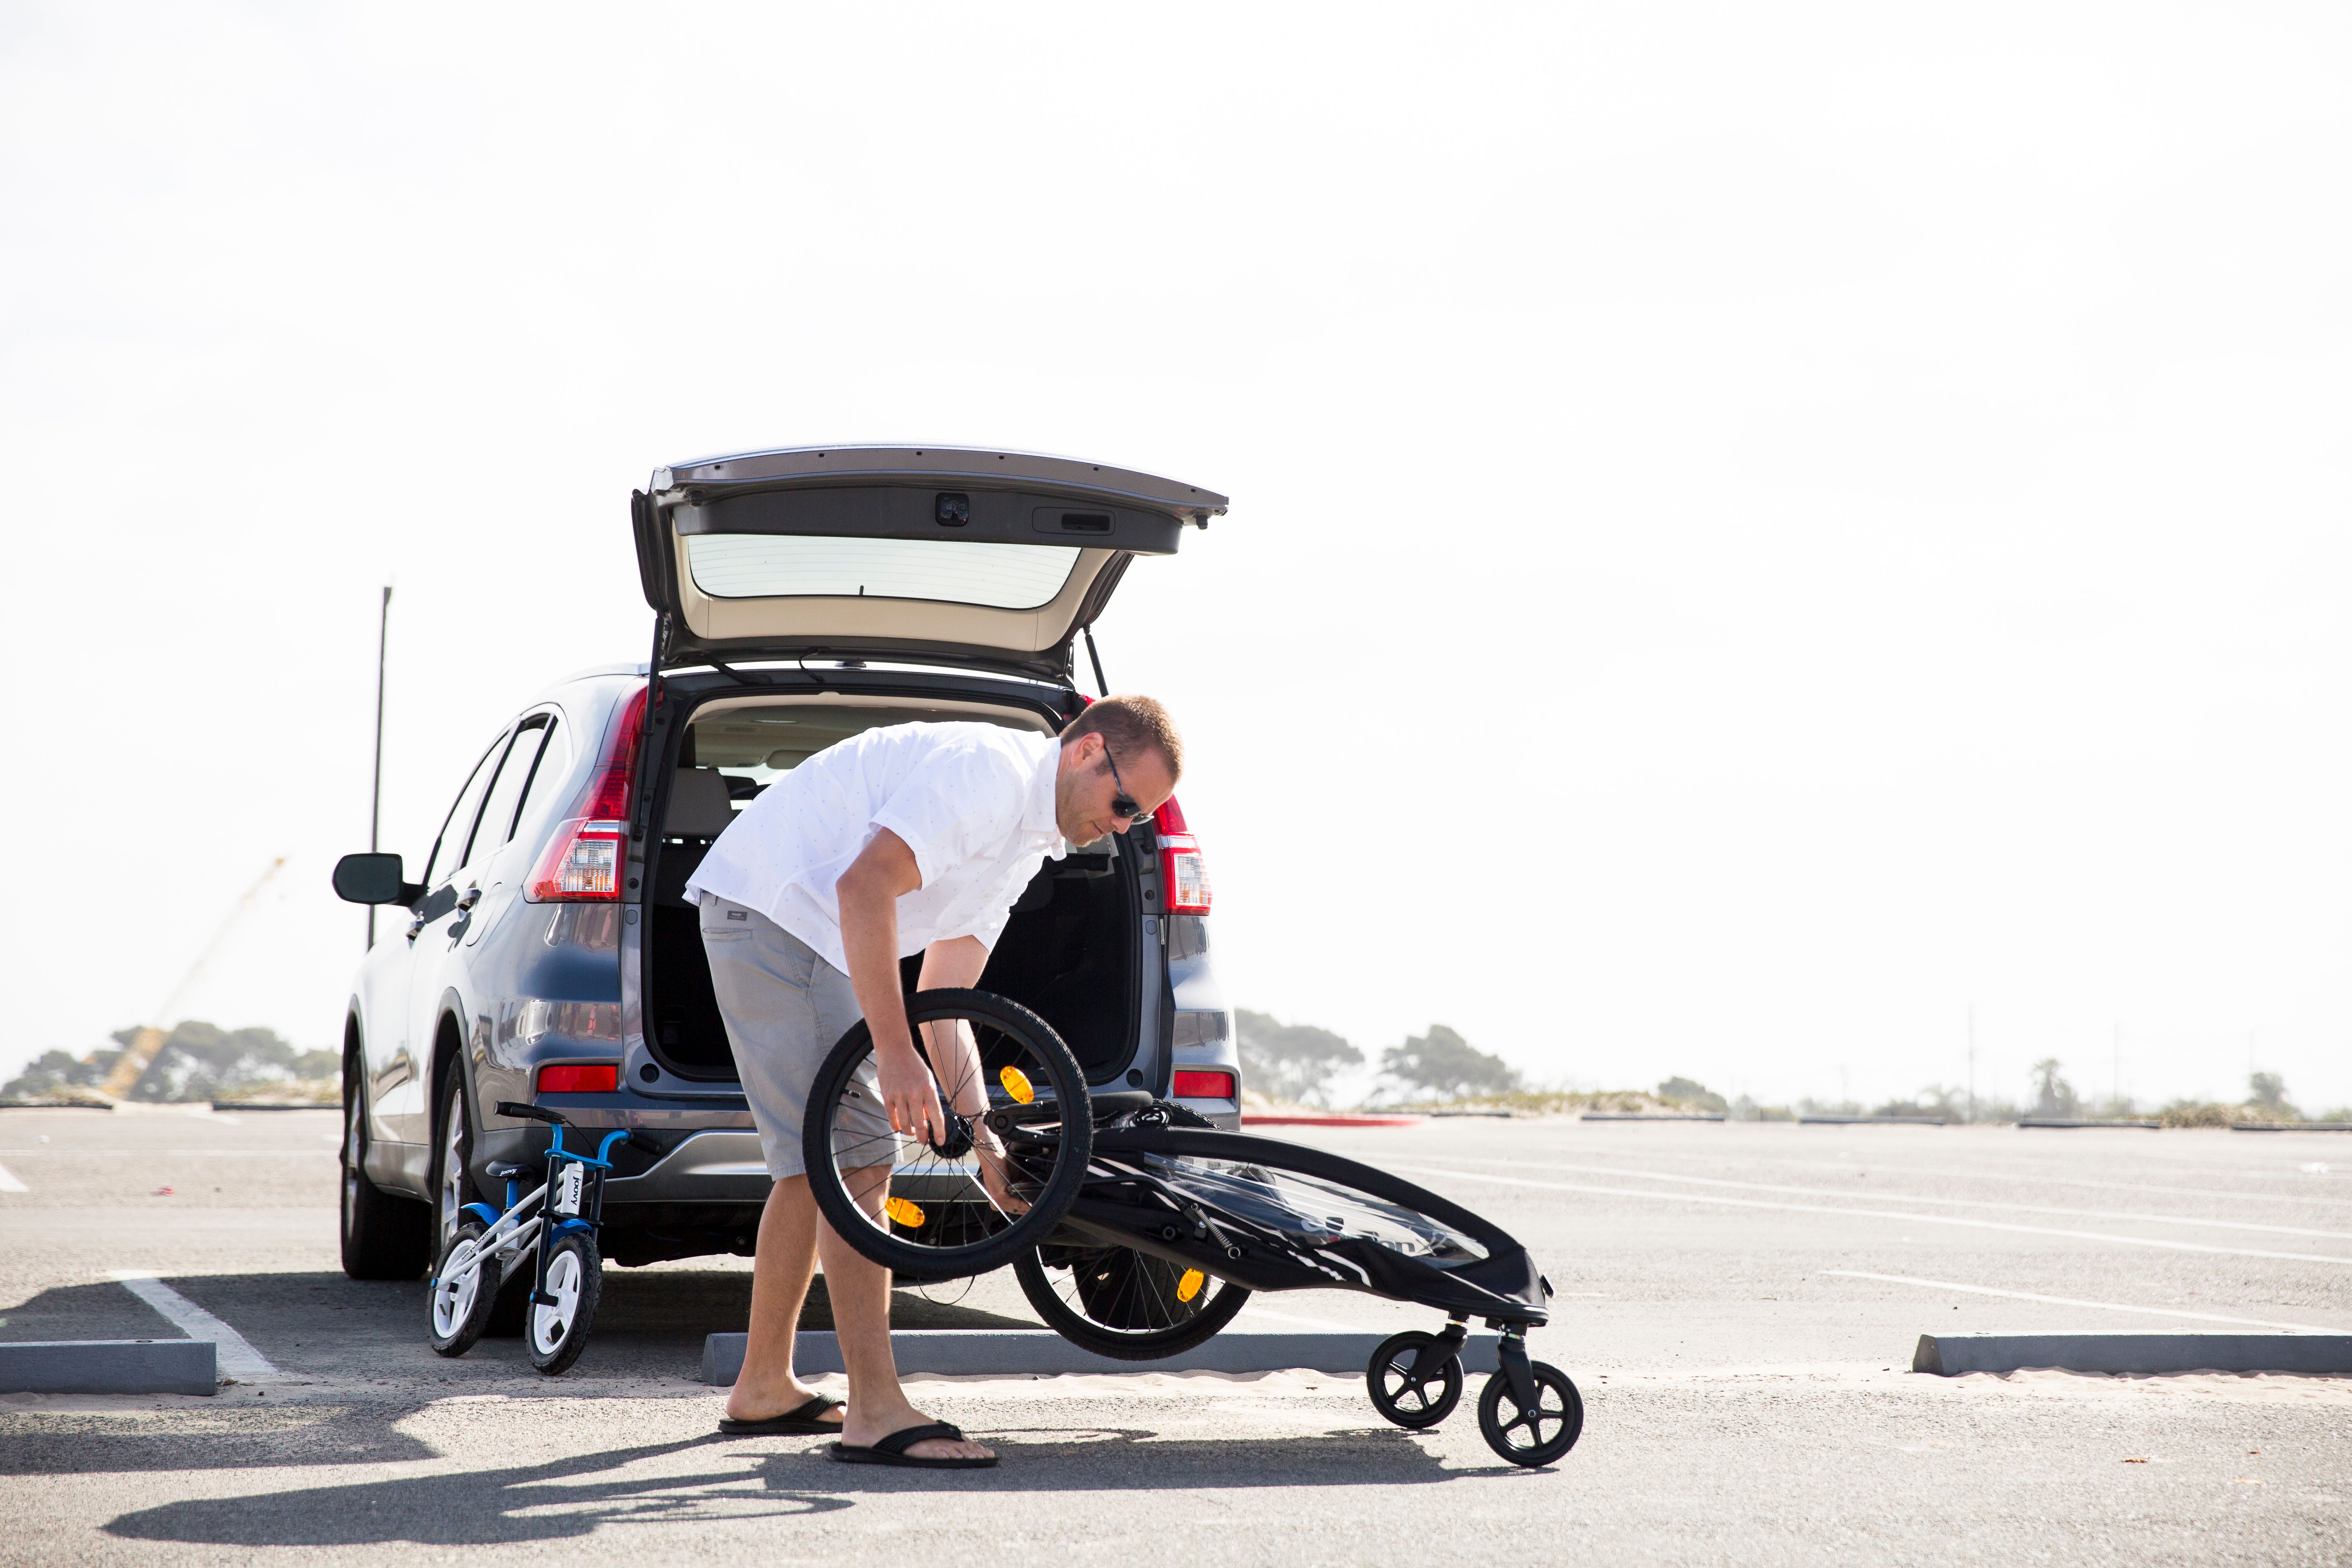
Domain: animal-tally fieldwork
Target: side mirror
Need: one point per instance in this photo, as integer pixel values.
(374, 879)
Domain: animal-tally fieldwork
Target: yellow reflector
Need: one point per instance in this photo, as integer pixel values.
(1190, 1285)
(1016, 1085)
(902, 1210)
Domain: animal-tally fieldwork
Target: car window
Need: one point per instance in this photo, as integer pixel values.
(459, 825)
(505, 795)
(547, 775)
(764, 565)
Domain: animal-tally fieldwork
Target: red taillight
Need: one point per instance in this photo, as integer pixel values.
(1183, 869)
(583, 861)
(1205, 1085)
(573, 1078)
(584, 857)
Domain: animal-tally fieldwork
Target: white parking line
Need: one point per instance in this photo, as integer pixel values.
(1916, 1198)
(1877, 1214)
(238, 1358)
(2043, 1175)
(2070, 1301)
(9, 1183)
(1252, 1310)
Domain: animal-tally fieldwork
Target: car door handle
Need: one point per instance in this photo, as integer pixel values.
(468, 898)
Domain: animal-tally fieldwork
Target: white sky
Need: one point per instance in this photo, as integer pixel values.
(1753, 528)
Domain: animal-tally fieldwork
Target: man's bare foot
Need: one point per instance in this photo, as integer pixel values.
(768, 1401)
(869, 1427)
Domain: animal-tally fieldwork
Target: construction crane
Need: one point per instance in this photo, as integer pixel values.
(140, 1054)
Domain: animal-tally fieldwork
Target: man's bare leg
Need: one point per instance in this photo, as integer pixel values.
(780, 1282)
(859, 1289)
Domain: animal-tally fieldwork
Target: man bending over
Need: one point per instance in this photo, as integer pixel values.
(909, 838)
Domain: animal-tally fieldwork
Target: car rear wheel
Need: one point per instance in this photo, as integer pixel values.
(384, 1236)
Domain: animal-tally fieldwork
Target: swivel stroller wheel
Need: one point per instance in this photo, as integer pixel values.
(1535, 1436)
(1409, 1385)
(575, 1277)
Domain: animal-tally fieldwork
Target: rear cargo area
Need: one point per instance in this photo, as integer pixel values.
(1072, 950)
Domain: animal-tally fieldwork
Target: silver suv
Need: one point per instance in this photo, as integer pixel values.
(801, 596)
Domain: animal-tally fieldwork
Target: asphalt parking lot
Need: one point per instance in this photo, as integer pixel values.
(1738, 1302)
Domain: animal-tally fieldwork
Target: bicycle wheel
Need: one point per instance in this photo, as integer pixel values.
(464, 1285)
(1116, 1302)
(934, 1210)
(575, 1277)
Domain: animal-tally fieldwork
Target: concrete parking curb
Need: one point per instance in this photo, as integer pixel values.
(1871, 1120)
(1650, 1116)
(1028, 1352)
(110, 1367)
(1948, 1355)
(1317, 1119)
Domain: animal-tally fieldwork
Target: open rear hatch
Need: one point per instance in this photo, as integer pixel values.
(938, 554)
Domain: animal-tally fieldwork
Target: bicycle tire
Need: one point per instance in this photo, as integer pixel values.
(457, 1315)
(575, 1274)
(1133, 1287)
(937, 1230)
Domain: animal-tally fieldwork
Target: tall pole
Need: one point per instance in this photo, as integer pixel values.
(2116, 1078)
(1972, 1064)
(376, 792)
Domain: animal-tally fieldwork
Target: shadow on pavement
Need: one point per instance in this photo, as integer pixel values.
(745, 1479)
(240, 1433)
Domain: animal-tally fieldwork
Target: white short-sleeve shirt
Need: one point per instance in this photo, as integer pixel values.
(974, 802)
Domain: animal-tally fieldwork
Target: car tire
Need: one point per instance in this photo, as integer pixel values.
(453, 1188)
(384, 1236)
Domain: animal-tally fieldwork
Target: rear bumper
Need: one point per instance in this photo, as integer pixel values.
(721, 1165)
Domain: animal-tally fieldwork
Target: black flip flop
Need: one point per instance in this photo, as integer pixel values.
(892, 1450)
(800, 1422)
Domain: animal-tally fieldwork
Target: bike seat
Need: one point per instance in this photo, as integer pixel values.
(501, 1170)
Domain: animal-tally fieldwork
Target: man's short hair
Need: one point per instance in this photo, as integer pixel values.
(1130, 725)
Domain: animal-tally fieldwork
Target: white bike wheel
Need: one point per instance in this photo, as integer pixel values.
(459, 1295)
(558, 1332)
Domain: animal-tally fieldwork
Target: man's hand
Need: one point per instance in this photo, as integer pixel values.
(908, 1094)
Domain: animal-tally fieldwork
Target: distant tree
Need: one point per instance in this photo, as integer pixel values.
(1290, 1061)
(2053, 1095)
(1949, 1103)
(196, 1061)
(1447, 1066)
(55, 1073)
(2266, 1092)
(1691, 1093)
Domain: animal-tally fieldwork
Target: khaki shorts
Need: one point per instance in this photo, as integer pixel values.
(785, 1009)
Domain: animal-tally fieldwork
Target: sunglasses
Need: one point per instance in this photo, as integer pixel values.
(1122, 803)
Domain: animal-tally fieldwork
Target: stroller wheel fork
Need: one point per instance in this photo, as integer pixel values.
(1511, 1356)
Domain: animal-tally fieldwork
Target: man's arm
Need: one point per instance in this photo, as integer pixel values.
(954, 962)
(869, 894)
